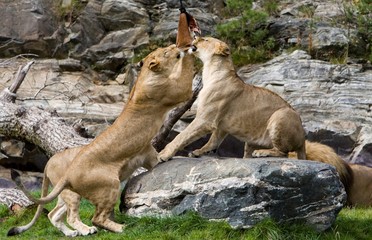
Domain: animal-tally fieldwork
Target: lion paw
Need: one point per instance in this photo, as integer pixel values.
(260, 153)
(88, 231)
(163, 156)
(194, 154)
(72, 233)
(267, 153)
(92, 230)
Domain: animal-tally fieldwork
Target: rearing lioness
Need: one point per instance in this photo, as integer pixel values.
(95, 171)
(267, 124)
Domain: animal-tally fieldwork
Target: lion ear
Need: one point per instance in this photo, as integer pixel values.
(154, 65)
(222, 49)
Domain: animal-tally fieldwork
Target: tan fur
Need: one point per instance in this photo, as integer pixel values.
(95, 171)
(361, 188)
(323, 153)
(267, 124)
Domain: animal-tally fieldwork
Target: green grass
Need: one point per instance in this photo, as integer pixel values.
(351, 224)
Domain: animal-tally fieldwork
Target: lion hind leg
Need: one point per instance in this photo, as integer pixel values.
(248, 150)
(301, 153)
(104, 200)
(286, 133)
(56, 217)
(72, 201)
(102, 219)
(214, 141)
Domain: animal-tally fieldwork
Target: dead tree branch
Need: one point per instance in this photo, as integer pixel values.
(9, 94)
(42, 128)
(159, 141)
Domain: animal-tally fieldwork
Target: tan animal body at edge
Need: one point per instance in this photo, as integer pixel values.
(360, 193)
(267, 124)
(95, 171)
(357, 179)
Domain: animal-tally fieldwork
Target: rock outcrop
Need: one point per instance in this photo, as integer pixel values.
(239, 191)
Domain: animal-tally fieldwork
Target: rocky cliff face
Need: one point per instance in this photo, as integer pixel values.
(84, 52)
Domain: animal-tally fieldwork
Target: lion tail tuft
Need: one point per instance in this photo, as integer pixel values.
(15, 175)
(323, 153)
(13, 231)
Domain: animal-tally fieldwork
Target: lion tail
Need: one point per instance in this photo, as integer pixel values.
(44, 192)
(58, 188)
(323, 153)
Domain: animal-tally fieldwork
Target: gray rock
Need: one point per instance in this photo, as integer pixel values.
(87, 31)
(331, 42)
(31, 180)
(362, 154)
(117, 15)
(322, 10)
(330, 9)
(239, 191)
(22, 156)
(113, 51)
(24, 31)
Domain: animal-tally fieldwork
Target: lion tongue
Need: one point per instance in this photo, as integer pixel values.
(186, 22)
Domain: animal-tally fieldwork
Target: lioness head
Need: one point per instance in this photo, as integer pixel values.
(165, 77)
(207, 47)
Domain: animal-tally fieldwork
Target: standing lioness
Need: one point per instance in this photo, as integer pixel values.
(95, 171)
(267, 124)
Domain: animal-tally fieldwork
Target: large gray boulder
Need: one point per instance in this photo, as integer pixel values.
(239, 191)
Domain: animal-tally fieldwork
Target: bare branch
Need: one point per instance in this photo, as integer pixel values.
(159, 141)
(9, 94)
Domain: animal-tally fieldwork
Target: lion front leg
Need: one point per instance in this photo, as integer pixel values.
(214, 141)
(193, 132)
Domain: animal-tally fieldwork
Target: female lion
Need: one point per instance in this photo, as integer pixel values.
(267, 124)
